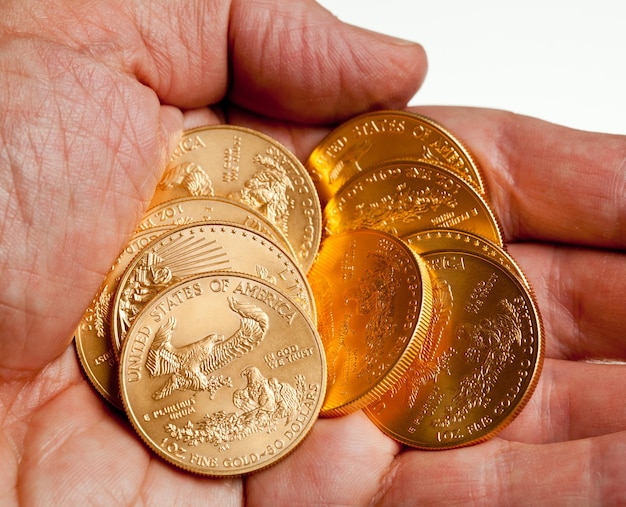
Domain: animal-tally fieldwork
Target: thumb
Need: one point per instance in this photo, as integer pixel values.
(307, 65)
(284, 59)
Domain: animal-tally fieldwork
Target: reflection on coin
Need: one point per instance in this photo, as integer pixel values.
(187, 210)
(373, 138)
(199, 248)
(406, 197)
(479, 364)
(374, 298)
(436, 240)
(251, 168)
(93, 335)
(222, 375)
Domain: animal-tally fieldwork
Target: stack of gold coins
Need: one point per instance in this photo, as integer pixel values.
(203, 332)
(469, 328)
(227, 324)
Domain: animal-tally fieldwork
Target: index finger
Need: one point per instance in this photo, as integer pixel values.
(546, 182)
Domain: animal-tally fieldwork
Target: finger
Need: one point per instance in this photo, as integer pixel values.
(286, 59)
(573, 400)
(202, 116)
(313, 67)
(497, 472)
(546, 182)
(282, 58)
(578, 298)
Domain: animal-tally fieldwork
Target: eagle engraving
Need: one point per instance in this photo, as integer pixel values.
(191, 366)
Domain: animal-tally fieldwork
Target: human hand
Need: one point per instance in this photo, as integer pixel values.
(92, 98)
(566, 442)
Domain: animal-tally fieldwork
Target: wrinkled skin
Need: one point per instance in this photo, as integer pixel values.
(94, 93)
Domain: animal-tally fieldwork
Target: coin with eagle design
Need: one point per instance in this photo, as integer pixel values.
(222, 374)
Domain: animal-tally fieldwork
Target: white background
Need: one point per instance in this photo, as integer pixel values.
(562, 61)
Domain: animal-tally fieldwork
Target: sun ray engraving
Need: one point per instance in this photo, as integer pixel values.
(166, 264)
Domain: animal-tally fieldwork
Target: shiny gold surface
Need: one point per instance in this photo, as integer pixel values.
(406, 197)
(187, 210)
(93, 335)
(425, 321)
(373, 138)
(222, 375)
(437, 240)
(253, 169)
(199, 248)
(479, 364)
(374, 300)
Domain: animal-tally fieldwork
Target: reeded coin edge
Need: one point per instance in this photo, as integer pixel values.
(412, 348)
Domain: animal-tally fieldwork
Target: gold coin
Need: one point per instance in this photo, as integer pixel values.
(370, 139)
(479, 364)
(93, 335)
(253, 169)
(375, 307)
(198, 248)
(222, 374)
(406, 197)
(187, 210)
(436, 240)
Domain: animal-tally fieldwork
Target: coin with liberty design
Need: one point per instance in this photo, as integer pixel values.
(248, 167)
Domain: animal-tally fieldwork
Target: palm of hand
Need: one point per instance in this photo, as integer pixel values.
(76, 177)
